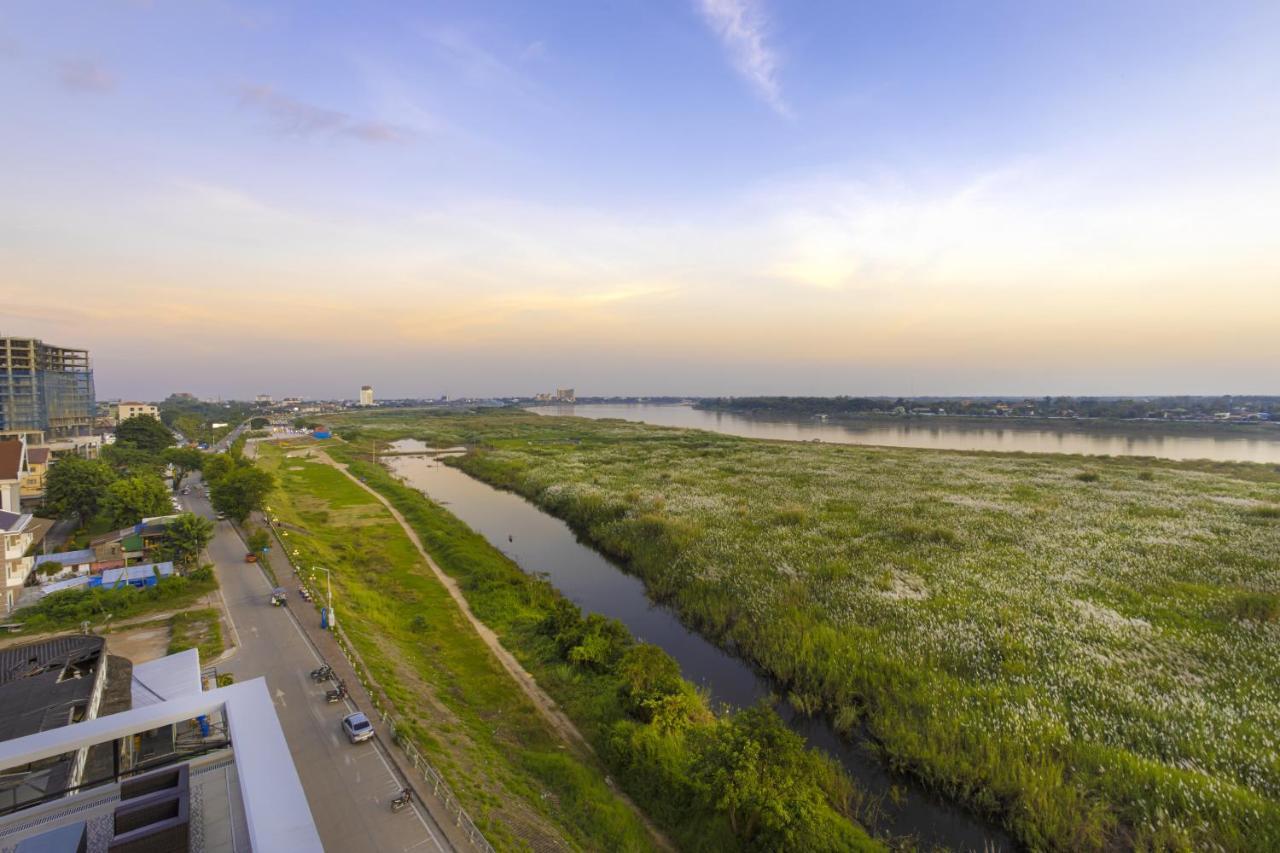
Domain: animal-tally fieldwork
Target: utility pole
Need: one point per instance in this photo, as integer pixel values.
(328, 584)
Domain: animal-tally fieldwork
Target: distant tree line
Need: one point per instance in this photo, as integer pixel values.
(1173, 407)
(195, 418)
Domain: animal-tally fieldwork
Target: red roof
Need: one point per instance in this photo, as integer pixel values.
(10, 459)
(37, 455)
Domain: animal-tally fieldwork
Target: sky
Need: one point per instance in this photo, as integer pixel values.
(689, 197)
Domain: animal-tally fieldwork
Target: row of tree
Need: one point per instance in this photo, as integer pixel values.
(127, 484)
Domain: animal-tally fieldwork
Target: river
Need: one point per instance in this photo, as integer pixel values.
(1174, 441)
(544, 545)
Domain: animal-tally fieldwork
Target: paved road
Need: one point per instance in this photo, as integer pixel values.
(349, 787)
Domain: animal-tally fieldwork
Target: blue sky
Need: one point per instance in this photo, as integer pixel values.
(707, 196)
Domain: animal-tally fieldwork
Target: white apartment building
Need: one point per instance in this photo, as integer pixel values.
(366, 395)
(15, 530)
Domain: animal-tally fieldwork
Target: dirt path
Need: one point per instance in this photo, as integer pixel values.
(546, 706)
(544, 703)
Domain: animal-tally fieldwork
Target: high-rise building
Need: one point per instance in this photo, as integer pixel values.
(366, 395)
(45, 389)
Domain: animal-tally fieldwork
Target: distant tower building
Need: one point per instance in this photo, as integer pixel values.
(45, 389)
(366, 395)
(565, 395)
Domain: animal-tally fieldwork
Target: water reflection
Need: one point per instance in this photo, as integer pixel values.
(1071, 437)
(545, 546)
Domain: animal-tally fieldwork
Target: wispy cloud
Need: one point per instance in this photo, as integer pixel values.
(299, 118)
(85, 76)
(741, 27)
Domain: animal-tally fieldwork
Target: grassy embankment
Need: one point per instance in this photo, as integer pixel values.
(644, 721)
(1085, 648)
(520, 784)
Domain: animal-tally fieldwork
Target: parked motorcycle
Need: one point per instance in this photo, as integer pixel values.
(322, 673)
(405, 797)
(336, 695)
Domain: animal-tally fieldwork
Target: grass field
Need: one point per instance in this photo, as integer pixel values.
(520, 784)
(1086, 648)
(196, 629)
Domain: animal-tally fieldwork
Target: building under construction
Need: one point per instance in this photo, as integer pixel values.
(45, 389)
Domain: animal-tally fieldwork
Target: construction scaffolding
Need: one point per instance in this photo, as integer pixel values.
(45, 388)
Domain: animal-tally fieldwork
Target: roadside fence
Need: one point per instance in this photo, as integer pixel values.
(382, 707)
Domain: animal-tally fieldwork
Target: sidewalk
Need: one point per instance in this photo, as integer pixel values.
(308, 616)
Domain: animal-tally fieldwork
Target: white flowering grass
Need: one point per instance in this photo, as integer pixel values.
(1065, 652)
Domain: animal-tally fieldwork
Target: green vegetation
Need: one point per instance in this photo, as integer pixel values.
(195, 418)
(257, 539)
(77, 486)
(131, 499)
(196, 629)
(457, 704)
(660, 740)
(143, 432)
(185, 537)
(1091, 660)
(184, 460)
(237, 487)
(67, 609)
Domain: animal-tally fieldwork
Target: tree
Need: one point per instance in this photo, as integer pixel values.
(145, 433)
(77, 486)
(216, 467)
(132, 499)
(259, 423)
(648, 674)
(755, 770)
(258, 539)
(184, 460)
(241, 490)
(131, 461)
(186, 536)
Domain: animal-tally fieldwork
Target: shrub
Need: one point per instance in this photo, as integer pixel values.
(49, 567)
(1256, 606)
(1087, 476)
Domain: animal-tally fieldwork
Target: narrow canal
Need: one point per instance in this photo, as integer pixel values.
(544, 545)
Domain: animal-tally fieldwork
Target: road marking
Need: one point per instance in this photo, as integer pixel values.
(280, 698)
(349, 755)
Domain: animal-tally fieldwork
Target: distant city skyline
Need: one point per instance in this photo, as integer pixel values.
(685, 197)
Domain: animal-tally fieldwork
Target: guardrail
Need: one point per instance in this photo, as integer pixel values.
(381, 705)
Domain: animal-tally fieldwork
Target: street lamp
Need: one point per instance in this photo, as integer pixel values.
(328, 583)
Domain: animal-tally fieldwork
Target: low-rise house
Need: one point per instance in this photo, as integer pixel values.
(70, 562)
(130, 543)
(16, 532)
(33, 484)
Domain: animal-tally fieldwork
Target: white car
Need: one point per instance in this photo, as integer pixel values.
(357, 727)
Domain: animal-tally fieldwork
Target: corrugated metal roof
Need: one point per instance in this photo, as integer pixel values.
(166, 678)
(59, 586)
(67, 558)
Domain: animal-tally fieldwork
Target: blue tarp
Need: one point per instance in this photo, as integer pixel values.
(144, 575)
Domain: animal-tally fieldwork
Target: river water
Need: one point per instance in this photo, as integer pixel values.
(544, 545)
(1176, 441)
